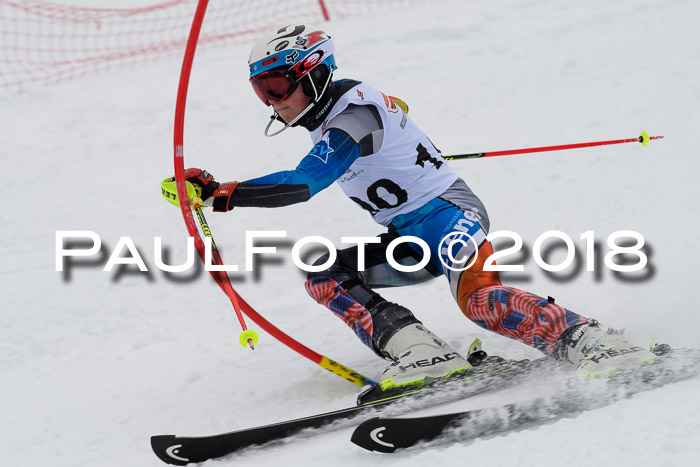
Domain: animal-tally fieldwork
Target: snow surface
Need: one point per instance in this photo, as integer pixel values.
(94, 364)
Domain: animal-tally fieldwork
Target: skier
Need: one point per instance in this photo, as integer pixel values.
(365, 141)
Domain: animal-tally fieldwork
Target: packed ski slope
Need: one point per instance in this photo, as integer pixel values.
(95, 362)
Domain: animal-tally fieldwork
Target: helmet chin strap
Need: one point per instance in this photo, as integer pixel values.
(298, 117)
(287, 125)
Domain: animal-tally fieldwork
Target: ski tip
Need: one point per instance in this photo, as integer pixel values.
(370, 435)
(167, 450)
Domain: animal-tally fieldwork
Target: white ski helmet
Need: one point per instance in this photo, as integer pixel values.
(288, 57)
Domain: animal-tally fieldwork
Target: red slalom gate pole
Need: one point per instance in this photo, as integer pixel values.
(186, 206)
(644, 139)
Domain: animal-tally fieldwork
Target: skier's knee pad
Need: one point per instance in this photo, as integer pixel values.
(475, 277)
(322, 289)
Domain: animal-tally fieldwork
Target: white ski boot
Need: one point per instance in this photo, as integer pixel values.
(597, 352)
(419, 358)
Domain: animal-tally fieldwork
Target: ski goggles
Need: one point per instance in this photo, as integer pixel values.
(273, 86)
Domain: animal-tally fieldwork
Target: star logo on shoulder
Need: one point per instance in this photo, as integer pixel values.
(322, 149)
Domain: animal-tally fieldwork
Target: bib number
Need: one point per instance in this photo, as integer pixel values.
(373, 195)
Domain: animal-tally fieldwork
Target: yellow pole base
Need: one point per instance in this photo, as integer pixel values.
(248, 338)
(644, 139)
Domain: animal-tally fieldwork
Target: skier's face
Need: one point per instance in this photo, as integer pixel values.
(293, 105)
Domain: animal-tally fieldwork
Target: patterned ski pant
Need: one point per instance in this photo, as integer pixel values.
(454, 226)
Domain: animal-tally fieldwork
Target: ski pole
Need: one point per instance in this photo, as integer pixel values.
(248, 337)
(644, 139)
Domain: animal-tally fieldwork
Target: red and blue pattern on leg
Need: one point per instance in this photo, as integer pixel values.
(520, 315)
(328, 293)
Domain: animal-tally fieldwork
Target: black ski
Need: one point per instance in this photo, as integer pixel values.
(179, 450)
(389, 434)
(488, 373)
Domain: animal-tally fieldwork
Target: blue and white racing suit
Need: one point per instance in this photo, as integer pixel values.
(384, 162)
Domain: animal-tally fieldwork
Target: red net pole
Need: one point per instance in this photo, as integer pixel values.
(324, 10)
